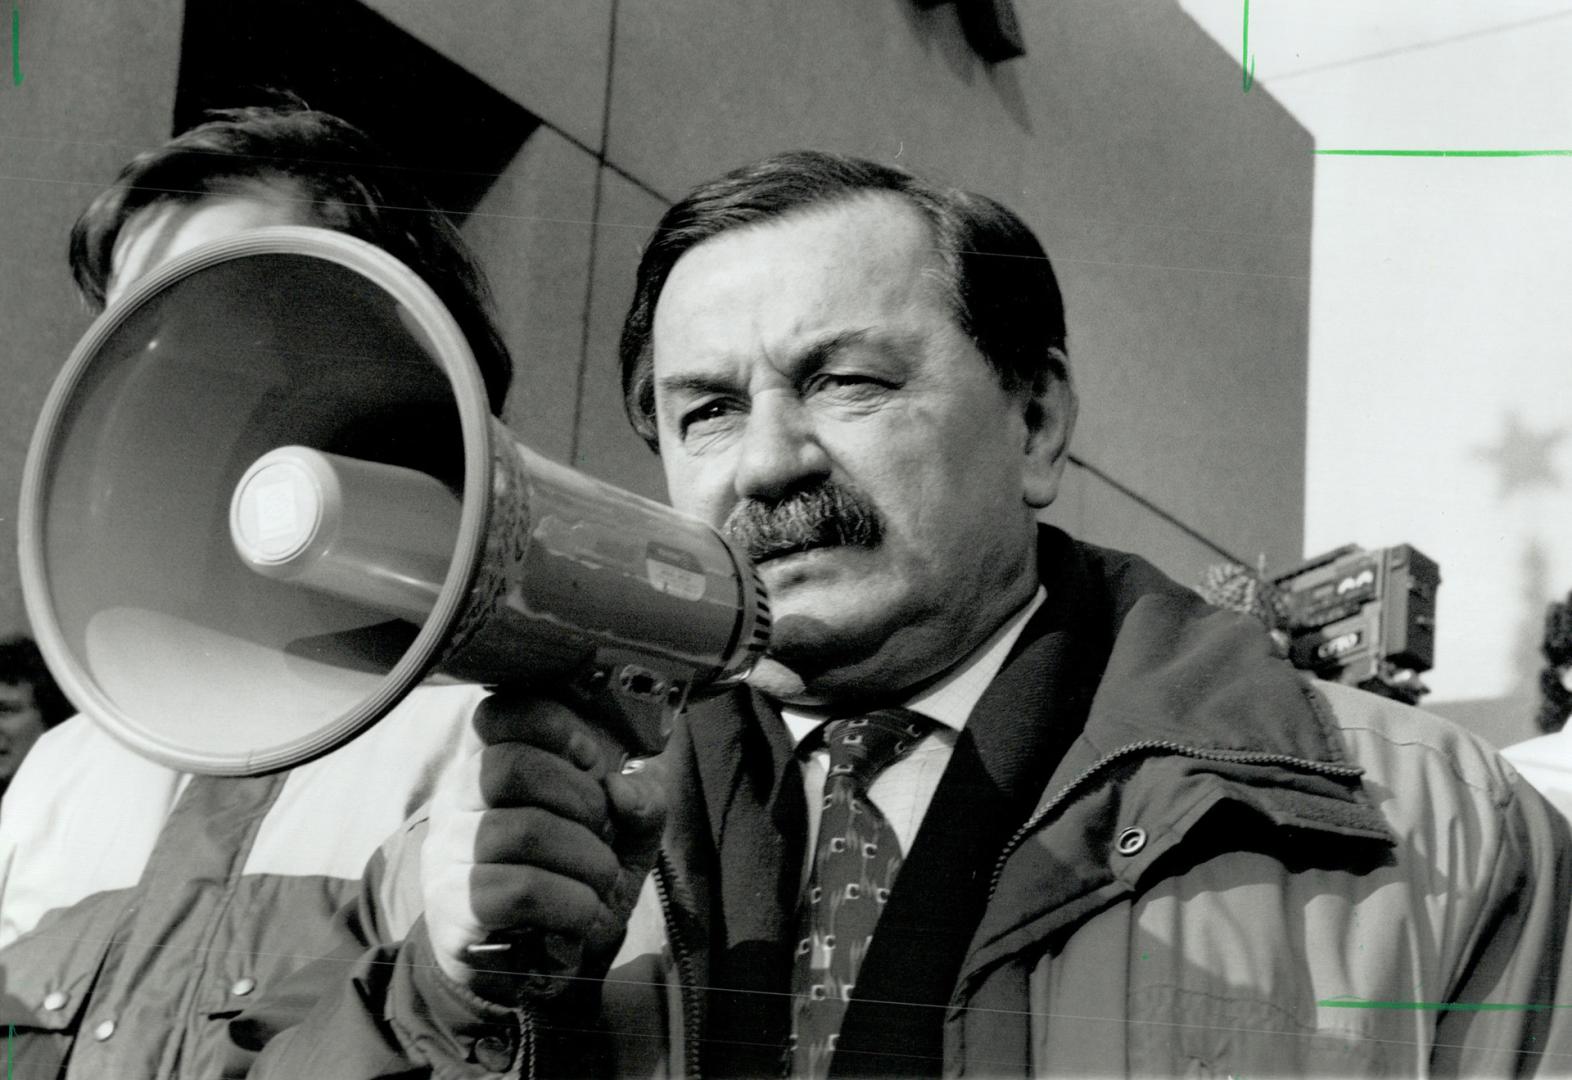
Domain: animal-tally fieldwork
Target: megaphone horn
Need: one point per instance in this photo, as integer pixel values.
(265, 499)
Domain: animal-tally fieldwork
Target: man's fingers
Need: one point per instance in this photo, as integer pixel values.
(539, 838)
(518, 774)
(535, 838)
(547, 724)
(504, 897)
(638, 803)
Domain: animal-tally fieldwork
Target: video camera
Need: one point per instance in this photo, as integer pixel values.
(1364, 618)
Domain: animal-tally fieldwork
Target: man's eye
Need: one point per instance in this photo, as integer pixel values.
(709, 413)
(848, 382)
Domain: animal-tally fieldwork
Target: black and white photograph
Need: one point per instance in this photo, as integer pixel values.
(734, 538)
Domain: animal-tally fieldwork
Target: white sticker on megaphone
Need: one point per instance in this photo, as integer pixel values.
(674, 571)
(276, 510)
(276, 513)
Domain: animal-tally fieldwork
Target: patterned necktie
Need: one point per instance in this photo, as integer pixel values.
(855, 862)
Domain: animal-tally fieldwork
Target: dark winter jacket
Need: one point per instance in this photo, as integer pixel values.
(1167, 854)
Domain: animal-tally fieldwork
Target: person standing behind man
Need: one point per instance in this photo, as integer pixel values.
(996, 802)
(140, 907)
(30, 703)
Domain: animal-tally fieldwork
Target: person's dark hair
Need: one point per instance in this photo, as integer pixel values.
(1002, 286)
(1555, 701)
(351, 187)
(21, 664)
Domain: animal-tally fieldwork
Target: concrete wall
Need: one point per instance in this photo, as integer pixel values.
(98, 84)
(1178, 217)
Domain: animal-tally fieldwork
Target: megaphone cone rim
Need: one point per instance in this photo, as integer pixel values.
(475, 420)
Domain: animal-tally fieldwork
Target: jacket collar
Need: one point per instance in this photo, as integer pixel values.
(1183, 677)
(1191, 713)
(1179, 670)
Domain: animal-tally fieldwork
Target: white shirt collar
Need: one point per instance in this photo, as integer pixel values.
(949, 701)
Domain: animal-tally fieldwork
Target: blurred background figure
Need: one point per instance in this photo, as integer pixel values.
(30, 703)
(1546, 762)
(1555, 678)
(1234, 587)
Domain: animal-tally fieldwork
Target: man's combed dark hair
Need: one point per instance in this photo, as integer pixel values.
(351, 187)
(1001, 283)
(21, 664)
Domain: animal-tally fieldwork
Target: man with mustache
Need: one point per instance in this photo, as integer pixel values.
(996, 802)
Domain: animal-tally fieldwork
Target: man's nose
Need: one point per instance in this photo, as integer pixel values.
(779, 448)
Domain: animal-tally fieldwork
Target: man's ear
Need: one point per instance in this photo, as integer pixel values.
(1050, 421)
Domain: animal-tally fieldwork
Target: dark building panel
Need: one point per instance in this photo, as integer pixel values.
(550, 56)
(454, 132)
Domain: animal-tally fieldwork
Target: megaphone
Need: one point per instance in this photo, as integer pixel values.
(266, 498)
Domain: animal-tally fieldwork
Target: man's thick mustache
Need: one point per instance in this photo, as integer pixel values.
(828, 515)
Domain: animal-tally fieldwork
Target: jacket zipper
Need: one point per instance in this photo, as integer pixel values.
(687, 977)
(1260, 757)
(527, 1043)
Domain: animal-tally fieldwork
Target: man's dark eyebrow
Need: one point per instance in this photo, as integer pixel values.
(693, 385)
(821, 352)
(808, 360)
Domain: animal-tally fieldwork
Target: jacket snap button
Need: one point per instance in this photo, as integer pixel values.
(104, 1029)
(492, 1052)
(1130, 841)
(244, 986)
(55, 1000)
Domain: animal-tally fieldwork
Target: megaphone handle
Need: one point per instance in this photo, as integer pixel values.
(538, 952)
(544, 963)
